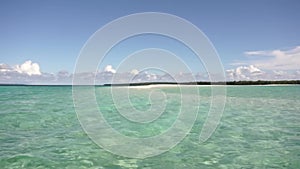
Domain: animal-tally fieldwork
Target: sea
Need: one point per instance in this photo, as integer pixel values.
(259, 128)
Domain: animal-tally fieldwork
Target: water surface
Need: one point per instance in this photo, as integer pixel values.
(259, 129)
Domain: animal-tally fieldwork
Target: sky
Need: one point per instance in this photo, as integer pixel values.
(41, 40)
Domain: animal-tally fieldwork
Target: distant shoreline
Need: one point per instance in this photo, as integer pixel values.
(259, 82)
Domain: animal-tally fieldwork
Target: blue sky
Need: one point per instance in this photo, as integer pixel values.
(51, 33)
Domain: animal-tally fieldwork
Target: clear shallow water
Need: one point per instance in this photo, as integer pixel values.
(259, 129)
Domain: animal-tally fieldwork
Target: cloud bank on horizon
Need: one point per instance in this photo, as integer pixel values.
(30, 73)
(267, 65)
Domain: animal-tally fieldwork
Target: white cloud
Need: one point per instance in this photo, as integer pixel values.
(5, 68)
(109, 69)
(29, 73)
(135, 76)
(28, 68)
(134, 71)
(253, 73)
(144, 77)
(267, 65)
(277, 59)
(280, 72)
(245, 73)
(255, 53)
(250, 69)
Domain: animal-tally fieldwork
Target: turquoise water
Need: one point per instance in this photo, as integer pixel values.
(259, 129)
